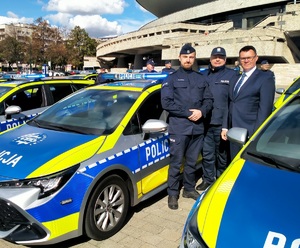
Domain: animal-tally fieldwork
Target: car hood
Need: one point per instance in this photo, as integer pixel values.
(250, 205)
(28, 151)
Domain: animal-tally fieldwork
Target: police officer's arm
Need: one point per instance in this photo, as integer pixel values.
(267, 93)
(225, 120)
(168, 102)
(207, 103)
(225, 123)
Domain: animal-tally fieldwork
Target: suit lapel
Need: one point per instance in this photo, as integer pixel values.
(249, 81)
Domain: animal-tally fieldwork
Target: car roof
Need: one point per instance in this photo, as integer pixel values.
(15, 83)
(133, 80)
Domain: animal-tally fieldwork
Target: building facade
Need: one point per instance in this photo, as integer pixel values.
(272, 26)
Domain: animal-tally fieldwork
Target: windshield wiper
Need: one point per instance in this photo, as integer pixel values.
(62, 128)
(273, 161)
(37, 123)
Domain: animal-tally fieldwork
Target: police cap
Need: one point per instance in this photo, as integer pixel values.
(264, 62)
(150, 62)
(187, 49)
(218, 51)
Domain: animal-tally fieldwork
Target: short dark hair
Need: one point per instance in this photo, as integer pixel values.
(247, 48)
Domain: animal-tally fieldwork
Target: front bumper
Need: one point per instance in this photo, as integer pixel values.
(16, 225)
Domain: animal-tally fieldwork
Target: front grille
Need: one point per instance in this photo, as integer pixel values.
(9, 216)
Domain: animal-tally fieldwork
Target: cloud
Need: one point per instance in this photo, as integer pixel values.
(100, 18)
(94, 25)
(12, 15)
(90, 7)
(13, 18)
(140, 7)
(87, 15)
(130, 25)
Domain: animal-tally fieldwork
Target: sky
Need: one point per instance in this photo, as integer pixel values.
(99, 18)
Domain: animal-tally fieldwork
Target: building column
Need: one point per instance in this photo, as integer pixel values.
(121, 63)
(138, 61)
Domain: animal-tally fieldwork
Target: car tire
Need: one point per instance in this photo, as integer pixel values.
(107, 208)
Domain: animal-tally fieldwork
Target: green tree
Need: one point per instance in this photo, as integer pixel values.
(42, 37)
(56, 51)
(79, 44)
(11, 49)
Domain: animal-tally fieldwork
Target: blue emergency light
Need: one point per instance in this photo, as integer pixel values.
(22, 76)
(135, 76)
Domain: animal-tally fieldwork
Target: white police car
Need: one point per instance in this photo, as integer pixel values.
(78, 166)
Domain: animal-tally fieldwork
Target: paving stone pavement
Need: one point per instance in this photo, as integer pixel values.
(151, 225)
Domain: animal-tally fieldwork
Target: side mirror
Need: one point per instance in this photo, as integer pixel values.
(280, 91)
(154, 126)
(237, 135)
(12, 110)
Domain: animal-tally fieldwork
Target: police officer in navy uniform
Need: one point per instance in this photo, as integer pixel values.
(149, 67)
(215, 149)
(187, 98)
(168, 67)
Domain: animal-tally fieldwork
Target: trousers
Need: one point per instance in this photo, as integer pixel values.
(184, 150)
(215, 154)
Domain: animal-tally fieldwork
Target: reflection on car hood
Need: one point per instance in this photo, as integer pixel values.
(249, 205)
(31, 152)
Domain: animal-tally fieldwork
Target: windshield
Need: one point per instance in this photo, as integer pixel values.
(295, 86)
(4, 89)
(78, 76)
(88, 111)
(279, 142)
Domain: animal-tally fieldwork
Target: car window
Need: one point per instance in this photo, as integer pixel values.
(295, 86)
(150, 109)
(60, 91)
(89, 112)
(280, 139)
(27, 98)
(4, 90)
(76, 87)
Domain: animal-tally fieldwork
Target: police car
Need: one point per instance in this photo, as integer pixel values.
(22, 98)
(255, 202)
(285, 93)
(78, 166)
(91, 76)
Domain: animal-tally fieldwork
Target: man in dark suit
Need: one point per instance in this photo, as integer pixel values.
(251, 96)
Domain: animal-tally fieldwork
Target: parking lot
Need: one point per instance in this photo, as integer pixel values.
(150, 225)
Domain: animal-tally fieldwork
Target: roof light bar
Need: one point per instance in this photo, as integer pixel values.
(20, 76)
(125, 76)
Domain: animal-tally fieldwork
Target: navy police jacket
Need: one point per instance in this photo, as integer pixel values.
(183, 90)
(168, 70)
(218, 80)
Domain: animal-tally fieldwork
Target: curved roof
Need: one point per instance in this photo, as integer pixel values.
(162, 8)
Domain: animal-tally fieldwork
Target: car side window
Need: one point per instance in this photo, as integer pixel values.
(2, 108)
(60, 91)
(150, 109)
(27, 99)
(76, 87)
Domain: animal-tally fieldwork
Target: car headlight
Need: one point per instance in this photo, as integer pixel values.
(191, 237)
(48, 184)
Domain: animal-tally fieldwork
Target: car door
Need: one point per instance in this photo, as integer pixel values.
(153, 148)
(31, 99)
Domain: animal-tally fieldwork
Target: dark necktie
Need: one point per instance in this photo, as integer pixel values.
(238, 85)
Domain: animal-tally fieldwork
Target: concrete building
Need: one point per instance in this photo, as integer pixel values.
(18, 30)
(272, 26)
